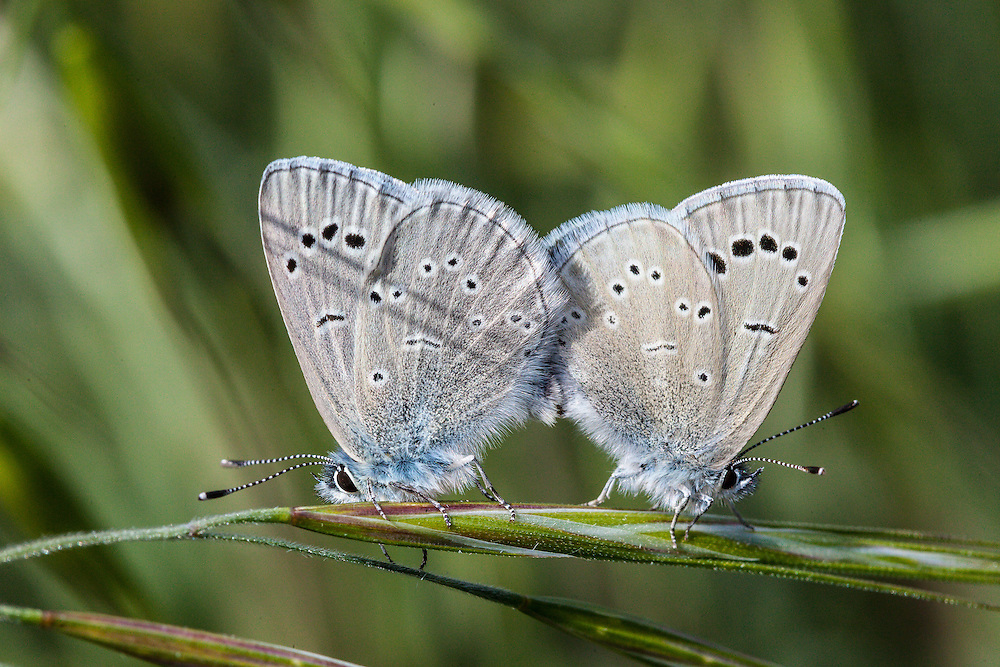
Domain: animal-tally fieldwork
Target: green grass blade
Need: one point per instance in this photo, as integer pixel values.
(626, 634)
(824, 554)
(852, 557)
(165, 644)
(629, 635)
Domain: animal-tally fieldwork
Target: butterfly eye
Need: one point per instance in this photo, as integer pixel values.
(344, 481)
(730, 480)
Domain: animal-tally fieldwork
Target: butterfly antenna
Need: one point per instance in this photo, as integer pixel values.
(230, 463)
(237, 463)
(812, 469)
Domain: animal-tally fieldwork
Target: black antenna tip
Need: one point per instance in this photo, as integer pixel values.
(815, 470)
(845, 408)
(212, 495)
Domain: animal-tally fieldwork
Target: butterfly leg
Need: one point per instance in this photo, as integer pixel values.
(605, 492)
(685, 498)
(378, 508)
(673, 526)
(487, 488)
(687, 531)
(427, 499)
(374, 501)
(739, 517)
(703, 502)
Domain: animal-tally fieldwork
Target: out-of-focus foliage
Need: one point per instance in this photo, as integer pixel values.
(140, 341)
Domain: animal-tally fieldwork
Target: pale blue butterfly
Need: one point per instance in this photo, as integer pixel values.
(683, 324)
(421, 316)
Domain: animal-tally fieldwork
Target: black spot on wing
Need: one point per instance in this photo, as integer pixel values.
(716, 263)
(742, 248)
(760, 326)
(329, 317)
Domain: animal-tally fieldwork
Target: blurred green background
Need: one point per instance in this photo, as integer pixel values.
(140, 341)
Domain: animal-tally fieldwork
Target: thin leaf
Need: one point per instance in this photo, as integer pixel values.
(644, 536)
(632, 636)
(850, 557)
(629, 635)
(164, 644)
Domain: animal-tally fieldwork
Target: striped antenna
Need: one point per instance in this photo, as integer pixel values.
(815, 470)
(839, 411)
(317, 459)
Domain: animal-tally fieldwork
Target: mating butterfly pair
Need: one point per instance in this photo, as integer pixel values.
(429, 317)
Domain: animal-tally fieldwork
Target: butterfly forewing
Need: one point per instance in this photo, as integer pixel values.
(320, 221)
(769, 245)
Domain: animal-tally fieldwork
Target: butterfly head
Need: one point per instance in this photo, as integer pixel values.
(336, 484)
(416, 477)
(736, 482)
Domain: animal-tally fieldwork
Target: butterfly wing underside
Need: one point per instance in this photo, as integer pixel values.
(769, 245)
(634, 332)
(696, 356)
(417, 312)
(462, 326)
(320, 221)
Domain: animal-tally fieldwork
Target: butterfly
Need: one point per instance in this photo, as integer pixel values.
(422, 317)
(682, 325)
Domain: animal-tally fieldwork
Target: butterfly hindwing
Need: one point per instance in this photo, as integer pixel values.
(456, 322)
(638, 333)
